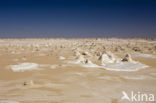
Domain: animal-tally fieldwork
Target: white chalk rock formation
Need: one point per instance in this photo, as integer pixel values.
(61, 58)
(127, 58)
(24, 66)
(88, 63)
(107, 58)
(80, 59)
(77, 53)
(110, 62)
(86, 53)
(30, 83)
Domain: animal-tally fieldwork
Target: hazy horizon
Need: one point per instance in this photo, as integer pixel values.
(77, 19)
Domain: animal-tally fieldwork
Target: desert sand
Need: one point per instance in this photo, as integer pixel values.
(75, 70)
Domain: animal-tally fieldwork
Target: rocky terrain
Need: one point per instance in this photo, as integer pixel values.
(75, 70)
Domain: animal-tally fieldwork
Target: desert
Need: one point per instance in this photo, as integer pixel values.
(60, 70)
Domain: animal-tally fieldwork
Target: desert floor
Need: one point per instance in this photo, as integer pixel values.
(55, 79)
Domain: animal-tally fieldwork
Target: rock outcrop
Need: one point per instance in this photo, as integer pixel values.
(127, 58)
(107, 58)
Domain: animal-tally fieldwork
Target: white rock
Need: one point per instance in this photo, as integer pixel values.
(24, 66)
(62, 58)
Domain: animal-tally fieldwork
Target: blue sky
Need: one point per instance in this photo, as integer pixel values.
(77, 18)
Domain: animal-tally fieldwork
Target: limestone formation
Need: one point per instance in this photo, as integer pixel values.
(127, 58)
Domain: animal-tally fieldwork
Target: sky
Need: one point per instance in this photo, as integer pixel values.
(77, 18)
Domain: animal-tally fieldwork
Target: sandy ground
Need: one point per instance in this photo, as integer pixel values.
(56, 80)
